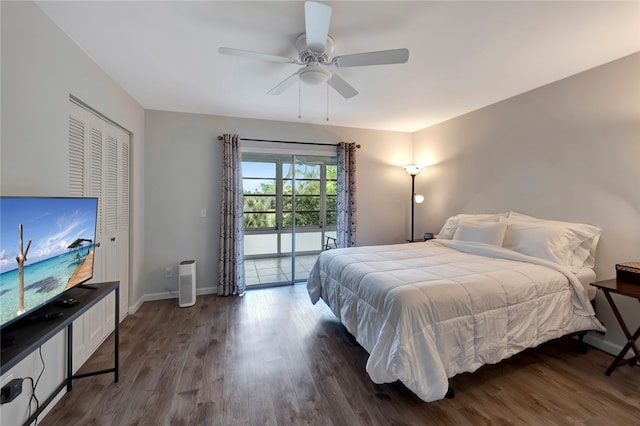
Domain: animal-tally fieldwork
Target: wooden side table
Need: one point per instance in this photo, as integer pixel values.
(625, 289)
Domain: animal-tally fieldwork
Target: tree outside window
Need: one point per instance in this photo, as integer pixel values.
(268, 193)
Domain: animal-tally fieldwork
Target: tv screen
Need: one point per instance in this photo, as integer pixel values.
(59, 256)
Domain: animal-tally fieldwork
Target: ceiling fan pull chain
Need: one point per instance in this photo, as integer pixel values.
(299, 98)
(327, 101)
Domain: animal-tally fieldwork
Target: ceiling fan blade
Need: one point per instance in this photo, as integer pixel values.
(341, 86)
(382, 57)
(316, 18)
(283, 85)
(257, 55)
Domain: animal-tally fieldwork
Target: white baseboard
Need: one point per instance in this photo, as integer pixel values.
(173, 294)
(600, 342)
(134, 308)
(206, 290)
(160, 296)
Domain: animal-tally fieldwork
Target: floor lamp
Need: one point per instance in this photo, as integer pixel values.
(413, 171)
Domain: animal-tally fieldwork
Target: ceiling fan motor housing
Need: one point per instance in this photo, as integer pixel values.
(313, 73)
(307, 55)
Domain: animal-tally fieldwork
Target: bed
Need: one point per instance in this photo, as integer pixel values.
(488, 287)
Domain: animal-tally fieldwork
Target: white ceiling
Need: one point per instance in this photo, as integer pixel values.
(463, 55)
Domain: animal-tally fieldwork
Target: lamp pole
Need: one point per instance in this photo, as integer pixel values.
(413, 170)
(413, 204)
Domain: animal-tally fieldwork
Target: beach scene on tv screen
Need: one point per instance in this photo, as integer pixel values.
(62, 234)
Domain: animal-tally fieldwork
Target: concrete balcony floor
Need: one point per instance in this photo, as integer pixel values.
(275, 270)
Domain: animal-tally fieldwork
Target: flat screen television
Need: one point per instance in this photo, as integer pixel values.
(58, 239)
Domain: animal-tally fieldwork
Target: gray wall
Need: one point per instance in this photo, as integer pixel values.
(567, 151)
(41, 67)
(182, 164)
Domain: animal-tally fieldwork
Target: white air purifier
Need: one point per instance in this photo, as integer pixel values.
(187, 283)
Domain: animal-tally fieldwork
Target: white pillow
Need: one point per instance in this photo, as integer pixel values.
(589, 235)
(451, 224)
(481, 232)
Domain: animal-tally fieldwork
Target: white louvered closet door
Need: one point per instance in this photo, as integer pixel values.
(116, 212)
(79, 186)
(124, 164)
(98, 168)
(94, 158)
(77, 129)
(97, 317)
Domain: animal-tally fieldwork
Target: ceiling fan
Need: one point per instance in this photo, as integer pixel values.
(314, 48)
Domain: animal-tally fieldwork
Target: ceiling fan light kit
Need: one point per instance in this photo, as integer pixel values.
(315, 47)
(314, 75)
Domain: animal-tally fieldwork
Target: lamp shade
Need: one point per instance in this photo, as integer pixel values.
(418, 198)
(413, 169)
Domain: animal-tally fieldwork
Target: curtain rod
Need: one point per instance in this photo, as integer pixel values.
(291, 142)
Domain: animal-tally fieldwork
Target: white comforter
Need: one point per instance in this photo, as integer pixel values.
(428, 311)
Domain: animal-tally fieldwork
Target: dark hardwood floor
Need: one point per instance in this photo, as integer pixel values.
(272, 358)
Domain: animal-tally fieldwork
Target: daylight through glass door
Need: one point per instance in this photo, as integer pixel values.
(289, 215)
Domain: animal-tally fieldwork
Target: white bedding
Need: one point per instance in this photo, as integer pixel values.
(428, 311)
(586, 276)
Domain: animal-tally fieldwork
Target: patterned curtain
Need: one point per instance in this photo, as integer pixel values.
(231, 279)
(346, 221)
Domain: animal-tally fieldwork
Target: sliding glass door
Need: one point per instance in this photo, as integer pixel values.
(289, 211)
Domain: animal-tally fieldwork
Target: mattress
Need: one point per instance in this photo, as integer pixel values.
(428, 311)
